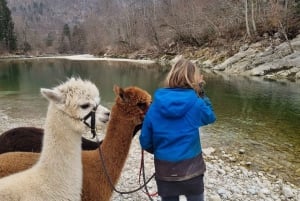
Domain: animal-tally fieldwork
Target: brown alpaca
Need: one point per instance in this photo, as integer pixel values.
(29, 139)
(128, 112)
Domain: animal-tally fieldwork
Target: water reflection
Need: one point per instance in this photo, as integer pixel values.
(28, 76)
(258, 116)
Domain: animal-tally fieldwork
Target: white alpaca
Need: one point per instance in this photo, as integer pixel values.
(57, 176)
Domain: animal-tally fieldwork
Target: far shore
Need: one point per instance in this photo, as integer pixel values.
(81, 57)
(283, 77)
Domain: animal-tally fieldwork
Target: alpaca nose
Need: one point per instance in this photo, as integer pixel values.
(103, 114)
(106, 117)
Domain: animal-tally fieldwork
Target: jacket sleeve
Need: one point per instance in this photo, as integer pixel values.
(208, 114)
(146, 136)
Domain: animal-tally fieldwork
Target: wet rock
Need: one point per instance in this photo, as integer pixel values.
(241, 151)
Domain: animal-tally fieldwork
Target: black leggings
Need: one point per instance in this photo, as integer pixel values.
(194, 186)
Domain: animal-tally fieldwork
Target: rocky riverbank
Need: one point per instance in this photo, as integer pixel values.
(270, 58)
(277, 61)
(224, 180)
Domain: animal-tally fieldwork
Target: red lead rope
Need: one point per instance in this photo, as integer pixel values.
(112, 185)
(142, 172)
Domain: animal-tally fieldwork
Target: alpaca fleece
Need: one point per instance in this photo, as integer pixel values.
(29, 139)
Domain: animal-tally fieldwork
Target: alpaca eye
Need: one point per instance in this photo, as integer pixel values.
(142, 106)
(85, 106)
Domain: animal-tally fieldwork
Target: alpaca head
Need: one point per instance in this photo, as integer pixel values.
(132, 103)
(75, 99)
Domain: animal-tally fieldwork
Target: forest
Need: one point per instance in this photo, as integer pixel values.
(143, 28)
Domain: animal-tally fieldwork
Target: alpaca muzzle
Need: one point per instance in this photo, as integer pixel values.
(92, 115)
(144, 111)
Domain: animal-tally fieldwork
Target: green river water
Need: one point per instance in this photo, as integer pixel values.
(260, 117)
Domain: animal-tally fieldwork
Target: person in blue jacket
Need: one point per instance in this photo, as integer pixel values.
(170, 131)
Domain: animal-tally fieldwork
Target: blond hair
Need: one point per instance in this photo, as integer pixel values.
(183, 74)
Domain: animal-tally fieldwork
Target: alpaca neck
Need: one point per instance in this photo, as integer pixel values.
(61, 145)
(116, 145)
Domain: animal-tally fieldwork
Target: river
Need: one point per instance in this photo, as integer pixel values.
(260, 117)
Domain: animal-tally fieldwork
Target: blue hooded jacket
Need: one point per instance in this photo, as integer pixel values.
(171, 126)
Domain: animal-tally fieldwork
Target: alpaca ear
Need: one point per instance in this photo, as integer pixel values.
(116, 89)
(52, 95)
(120, 92)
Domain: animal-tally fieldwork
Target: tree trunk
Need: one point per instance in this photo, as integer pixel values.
(253, 17)
(286, 14)
(246, 18)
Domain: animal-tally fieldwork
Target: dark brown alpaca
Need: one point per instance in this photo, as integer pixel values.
(29, 139)
(127, 113)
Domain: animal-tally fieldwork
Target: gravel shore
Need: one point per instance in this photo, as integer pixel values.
(224, 181)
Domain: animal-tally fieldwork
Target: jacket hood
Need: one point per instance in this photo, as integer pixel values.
(174, 102)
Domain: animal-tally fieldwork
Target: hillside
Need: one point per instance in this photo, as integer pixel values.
(37, 21)
(207, 30)
(53, 13)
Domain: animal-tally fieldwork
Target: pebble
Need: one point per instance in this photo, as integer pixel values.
(241, 151)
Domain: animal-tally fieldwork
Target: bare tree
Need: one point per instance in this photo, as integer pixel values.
(284, 28)
(246, 18)
(253, 17)
(138, 24)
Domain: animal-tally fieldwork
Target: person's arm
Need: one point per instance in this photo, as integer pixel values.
(208, 111)
(208, 115)
(146, 136)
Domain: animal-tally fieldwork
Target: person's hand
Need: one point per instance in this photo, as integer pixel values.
(201, 84)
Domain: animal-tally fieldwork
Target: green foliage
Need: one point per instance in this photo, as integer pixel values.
(66, 31)
(7, 34)
(72, 41)
(78, 40)
(64, 46)
(26, 47)
(38, 7)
